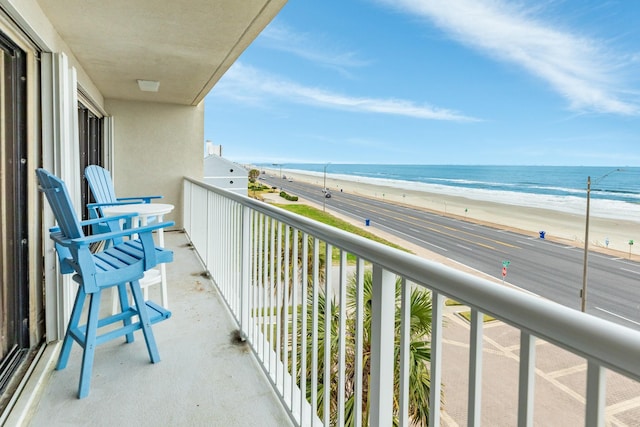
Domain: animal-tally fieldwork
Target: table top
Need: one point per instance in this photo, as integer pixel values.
(142, 209)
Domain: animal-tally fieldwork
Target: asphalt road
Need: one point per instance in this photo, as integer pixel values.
(545, 268)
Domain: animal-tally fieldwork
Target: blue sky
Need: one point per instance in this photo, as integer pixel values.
(526, 82)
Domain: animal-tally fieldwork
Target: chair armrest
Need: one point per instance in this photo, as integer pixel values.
(99, 220)
(100, 205)
(145, 199)
(108, 219)
(84, 241)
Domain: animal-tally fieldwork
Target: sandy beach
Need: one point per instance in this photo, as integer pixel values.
(558, 226)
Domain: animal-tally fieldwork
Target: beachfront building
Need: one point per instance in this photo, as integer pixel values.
(122, 84)
(224, 173)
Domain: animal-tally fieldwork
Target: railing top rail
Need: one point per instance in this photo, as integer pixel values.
(604, 342)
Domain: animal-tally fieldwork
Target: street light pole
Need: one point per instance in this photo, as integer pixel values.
(324, 187)
(583, 293)
(276, 165)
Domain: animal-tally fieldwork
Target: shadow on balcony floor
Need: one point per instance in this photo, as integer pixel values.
(202, 379)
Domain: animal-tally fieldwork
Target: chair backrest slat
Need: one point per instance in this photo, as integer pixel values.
(60, 202)
(101, 184)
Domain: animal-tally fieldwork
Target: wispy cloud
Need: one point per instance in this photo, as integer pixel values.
(248, 84)
(323, 53)
(577, 67)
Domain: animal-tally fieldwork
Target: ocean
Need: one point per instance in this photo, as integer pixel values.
(615, 191)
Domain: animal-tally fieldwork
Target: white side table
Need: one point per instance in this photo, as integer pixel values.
(144, 211)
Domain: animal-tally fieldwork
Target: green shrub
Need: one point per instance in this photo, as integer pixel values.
(288, 197)
(258, 187)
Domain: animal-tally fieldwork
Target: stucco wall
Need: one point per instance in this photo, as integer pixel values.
(155, 146)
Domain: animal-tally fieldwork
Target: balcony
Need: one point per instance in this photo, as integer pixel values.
(538, 363)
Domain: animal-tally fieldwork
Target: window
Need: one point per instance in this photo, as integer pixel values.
(91, 148)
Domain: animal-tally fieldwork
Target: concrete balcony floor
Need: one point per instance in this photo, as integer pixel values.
(203, 378)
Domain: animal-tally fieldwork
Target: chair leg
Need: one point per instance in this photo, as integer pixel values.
(76, 313)
(124, 306)
(89, 345)
(145, 323)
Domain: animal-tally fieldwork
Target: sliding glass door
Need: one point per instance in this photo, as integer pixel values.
(14, 292)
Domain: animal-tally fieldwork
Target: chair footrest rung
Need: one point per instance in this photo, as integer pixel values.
(156, 314)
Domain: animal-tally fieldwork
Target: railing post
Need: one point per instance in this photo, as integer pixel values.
(526, 389)
(245, 262)
(405, 340)
(382, 346)
(186, 206)
(359, 342)
(475, 369)
(326, 378)
(596, 395)
(435, 390)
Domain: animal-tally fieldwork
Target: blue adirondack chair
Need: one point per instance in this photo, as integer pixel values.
(124, 262)
(101, 186)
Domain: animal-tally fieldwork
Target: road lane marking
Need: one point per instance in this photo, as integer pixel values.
(525, 243)
(406, 217)
(630, 271)
(435, 246)
(421, 220)
(607, 257)
(394, 231)
(464, 247)
(463, 239)
(617, 315)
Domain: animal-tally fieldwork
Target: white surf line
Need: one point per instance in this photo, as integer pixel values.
(630, 271)
(617, 315)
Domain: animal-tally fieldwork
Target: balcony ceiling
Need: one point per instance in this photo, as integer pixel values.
(186, 45)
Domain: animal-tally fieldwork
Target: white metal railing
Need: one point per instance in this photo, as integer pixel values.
(274, 268)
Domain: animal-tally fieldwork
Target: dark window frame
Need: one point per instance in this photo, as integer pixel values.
(90, 137)
(15, 293)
